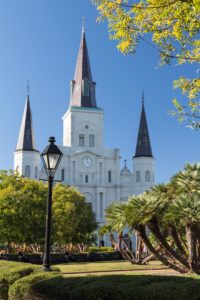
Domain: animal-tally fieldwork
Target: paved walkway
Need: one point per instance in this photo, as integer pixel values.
(163, 271)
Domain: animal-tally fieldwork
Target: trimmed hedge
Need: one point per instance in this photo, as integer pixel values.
(126, 287)
(101, 249)
(58, 258)
(18, 290)
(7, 278)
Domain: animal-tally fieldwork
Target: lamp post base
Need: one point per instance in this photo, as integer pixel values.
(47, 269)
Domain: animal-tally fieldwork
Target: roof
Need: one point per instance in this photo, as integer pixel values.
(83, 77)
(143, 147)
(26, 136)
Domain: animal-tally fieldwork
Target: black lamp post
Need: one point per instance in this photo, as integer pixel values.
(51, 157)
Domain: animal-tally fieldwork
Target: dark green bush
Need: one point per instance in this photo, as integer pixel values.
(7, 278)
(126, 287)
(18, 290)
(101, 249)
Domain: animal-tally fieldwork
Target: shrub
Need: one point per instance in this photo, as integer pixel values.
(7, 278)
(116, 287)
(101, 249)
(18, 291)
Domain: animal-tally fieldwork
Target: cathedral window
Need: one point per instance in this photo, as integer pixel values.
(86, 179)
(109, 176)
(85, 86)
(62, 175)
(100, 173)
(101, 205)
(91, 140)
(137, 176)
(36, 172)
(81, 140)
(147, 176)
(73, 171)
(27, 171)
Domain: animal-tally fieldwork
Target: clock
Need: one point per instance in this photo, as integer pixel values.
(86, 162)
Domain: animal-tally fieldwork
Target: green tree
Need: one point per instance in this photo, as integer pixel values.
(22, 210)
(73, 219)
(171, 213)
(173, 27)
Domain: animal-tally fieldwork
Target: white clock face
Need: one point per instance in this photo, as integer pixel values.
(87, 162)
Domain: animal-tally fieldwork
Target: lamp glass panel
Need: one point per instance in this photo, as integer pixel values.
(53, 160)
(45, 157)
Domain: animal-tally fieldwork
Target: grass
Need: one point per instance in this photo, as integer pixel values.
(106, 266)
(9, 265)
(141, 284)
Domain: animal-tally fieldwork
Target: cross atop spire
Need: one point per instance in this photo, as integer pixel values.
(142, 97)
(83, 87)
(28, 87)
(83, 24)
(143, 147)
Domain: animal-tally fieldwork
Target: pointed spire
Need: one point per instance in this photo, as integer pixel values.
(143, 147)
(83, 87)
(26, 135)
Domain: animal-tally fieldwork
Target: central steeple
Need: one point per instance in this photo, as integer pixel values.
(83, 87)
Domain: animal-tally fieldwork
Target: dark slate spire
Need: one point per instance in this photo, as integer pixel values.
(26, 135)
(143, 147)
(83, 87)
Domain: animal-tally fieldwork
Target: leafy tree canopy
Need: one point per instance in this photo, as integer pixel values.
(23, 211)
(173, 27)
(73, 218)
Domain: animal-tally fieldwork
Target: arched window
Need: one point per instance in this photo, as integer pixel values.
(62, 175)
(17, 169)
(27, 171)
(86, 179)
(36, 172)
(137, 176)
(109, 176)
(147, 176)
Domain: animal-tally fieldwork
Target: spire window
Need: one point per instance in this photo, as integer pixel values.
(62, 175)
(27, 171)
(137, 176)
(36, 172)
(109, 176)
(147, 176)
(86, 87)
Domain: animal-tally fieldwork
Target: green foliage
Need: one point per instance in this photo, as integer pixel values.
(115, 287)
(22, 209)
(7, 278)
(73, 218)
(100, 249)
(173, 27)
(18, 290)
(172, 214)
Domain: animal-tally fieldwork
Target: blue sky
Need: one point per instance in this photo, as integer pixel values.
(39, 40)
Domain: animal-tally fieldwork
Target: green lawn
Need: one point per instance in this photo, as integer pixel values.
(126, 284)
(106, 266)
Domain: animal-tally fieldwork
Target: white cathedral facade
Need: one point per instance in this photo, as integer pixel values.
(87, 164)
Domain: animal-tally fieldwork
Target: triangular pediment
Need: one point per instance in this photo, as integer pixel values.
(86, 152)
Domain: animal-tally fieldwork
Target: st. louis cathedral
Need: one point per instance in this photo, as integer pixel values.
(87, 164)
